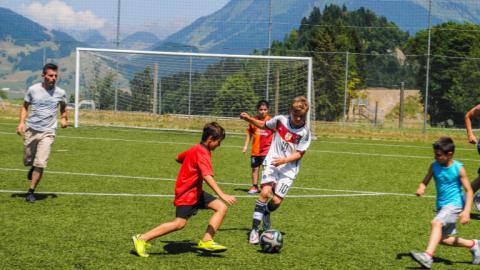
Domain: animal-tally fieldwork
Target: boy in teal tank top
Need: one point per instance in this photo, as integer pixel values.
(450, 176)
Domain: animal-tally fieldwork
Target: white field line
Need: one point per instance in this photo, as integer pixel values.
(357, 192)
(320, 141)
(171, 196)
(238, 147)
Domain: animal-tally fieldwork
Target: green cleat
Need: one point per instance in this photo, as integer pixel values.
(140, 246)
(211, 246)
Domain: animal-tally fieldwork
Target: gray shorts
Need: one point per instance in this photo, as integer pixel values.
(448, 216)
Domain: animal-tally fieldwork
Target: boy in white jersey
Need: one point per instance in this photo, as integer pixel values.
(39, 134)
(449, 176)
(282, 163)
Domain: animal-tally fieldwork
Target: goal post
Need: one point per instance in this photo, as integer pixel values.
(127, 87)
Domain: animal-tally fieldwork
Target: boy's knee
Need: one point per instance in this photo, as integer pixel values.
(180, 224)
(277, 200)
(436, 223)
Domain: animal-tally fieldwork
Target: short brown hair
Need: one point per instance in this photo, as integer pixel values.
(445, 145)
(299, 105)
(49, 66)
(213, 130)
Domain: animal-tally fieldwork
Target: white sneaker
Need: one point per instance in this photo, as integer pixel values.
(476, 201)
(254, 237)
(476, 253)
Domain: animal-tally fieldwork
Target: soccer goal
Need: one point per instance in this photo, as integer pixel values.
(140, 88)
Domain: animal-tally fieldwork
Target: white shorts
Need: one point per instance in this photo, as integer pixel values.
(448, 216)
(281, 182)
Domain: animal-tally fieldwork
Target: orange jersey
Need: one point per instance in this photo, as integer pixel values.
(261, 138)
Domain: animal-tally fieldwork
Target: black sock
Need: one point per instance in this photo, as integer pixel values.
(31, 190)
(271, 206)
(258, 213)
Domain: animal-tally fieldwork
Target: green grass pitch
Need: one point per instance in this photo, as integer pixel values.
(352, 206)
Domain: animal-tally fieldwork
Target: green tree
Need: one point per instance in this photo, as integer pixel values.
(141, 87)
(455, 70)
(235, 96)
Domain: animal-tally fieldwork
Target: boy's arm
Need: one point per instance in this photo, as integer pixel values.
(256, 122)
(421, 188)
(225, 197)
(465, 215)
(468, 124)
(181, 157)
(247, 141)
(293, 157)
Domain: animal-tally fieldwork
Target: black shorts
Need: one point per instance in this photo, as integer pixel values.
(256, 161)
(187, 211)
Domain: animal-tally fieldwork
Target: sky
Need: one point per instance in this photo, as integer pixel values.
(161, 17)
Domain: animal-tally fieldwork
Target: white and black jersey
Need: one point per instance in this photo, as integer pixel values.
(286, 141)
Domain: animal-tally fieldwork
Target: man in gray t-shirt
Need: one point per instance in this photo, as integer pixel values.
(39, 133)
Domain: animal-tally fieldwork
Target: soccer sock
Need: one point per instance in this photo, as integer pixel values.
(271, 206)
(258, 213)
(31, 190)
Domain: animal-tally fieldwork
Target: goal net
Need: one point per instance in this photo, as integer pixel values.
(140, 88)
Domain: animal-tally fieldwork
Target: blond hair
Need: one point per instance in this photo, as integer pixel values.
(299, 106)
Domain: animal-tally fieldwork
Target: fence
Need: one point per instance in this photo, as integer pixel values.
(442, 78)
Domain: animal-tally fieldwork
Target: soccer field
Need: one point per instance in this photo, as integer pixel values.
(352, 205)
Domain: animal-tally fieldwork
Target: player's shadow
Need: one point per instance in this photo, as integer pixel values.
(38, 196)
(181, 247)
(475, 216)
(435, 260)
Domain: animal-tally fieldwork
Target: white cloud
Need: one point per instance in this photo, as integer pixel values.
(58, 15)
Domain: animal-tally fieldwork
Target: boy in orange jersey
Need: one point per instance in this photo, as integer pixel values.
(261, 140)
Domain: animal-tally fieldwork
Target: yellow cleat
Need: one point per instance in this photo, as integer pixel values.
(140, 246)
(210, 246)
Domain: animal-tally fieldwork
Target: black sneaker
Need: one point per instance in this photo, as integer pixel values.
(30, 198)
(29, 175)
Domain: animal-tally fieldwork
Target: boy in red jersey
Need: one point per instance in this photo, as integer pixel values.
(189, 195)
(261, 140)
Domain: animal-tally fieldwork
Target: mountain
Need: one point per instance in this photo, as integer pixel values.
(92, 38)
(139, 40)
(26, 45)
(242, 25)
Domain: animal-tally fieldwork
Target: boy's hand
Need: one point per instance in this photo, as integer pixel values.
(464, 216)
(244, 150)
(472, 139)
(278, 161)
(229, 199)
(421, 190)
(244, 115)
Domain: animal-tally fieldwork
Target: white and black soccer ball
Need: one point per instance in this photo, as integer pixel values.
(271, 241)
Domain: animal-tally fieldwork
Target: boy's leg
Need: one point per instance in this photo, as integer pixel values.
(476, 183)
(177, 224)
(140, 241)
(220, 210)
(254, 188)
(281, 189)
(259, 211)
(435, 236)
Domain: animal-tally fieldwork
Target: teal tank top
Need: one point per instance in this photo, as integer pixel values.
(448, 184)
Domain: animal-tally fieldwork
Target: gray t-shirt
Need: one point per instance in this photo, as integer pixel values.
(43, 116)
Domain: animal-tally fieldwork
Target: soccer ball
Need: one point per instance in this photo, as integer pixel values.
(271, 241)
